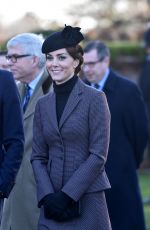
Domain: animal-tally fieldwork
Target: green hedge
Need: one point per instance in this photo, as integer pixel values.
(126, 49)
(116, 48)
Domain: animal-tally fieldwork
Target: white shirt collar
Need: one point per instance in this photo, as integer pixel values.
(33, 83)
(101, 83)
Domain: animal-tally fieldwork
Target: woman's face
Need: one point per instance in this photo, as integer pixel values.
(60, 65)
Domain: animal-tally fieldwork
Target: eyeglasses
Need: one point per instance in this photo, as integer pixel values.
(15, 57)
(92, 63)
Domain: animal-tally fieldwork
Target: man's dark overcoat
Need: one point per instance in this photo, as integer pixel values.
(128, 138)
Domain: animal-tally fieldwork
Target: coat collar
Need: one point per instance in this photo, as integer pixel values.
(110, 83)
(41, 88)
(73, 100)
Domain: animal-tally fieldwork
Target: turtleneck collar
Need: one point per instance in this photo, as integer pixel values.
(66, 86)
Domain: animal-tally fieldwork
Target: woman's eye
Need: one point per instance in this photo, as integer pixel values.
(49, 58)
(62, 58)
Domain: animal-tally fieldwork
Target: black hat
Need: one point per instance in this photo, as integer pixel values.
(68, 37)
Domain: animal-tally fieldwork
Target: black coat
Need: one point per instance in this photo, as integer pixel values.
(11, 132)
(128, 138)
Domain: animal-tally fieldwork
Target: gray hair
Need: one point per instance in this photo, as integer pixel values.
(102, 50)
(31, 44)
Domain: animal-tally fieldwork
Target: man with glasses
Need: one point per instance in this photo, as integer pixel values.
(128, 137)
(27, 63)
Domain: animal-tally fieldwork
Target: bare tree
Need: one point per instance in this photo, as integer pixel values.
(124, 16)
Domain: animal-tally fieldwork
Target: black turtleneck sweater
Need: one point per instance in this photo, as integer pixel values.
(62, 92)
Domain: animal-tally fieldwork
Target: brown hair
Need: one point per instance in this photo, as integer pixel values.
(77, 53)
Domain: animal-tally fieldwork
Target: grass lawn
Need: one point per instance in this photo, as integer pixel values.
(144, 180)
(147, 216)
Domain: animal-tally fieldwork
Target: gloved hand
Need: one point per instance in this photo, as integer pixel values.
(55, 204)
(73, 211)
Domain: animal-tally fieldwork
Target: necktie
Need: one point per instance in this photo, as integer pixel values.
(96, 86)
(26, 97)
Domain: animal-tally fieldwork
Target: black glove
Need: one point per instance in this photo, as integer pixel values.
(55, 204)
(73, 211)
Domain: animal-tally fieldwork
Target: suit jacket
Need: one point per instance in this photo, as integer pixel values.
(11, 132)
(22, 203)
(71, 156)
(128, 138)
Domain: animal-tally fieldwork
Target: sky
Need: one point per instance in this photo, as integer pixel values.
(12, 10)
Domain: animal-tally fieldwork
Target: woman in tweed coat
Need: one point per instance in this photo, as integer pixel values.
(70, 142)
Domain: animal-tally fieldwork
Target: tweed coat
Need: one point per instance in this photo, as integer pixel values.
(128, 138)
(71, 156)
(21, 207)
(11, 132)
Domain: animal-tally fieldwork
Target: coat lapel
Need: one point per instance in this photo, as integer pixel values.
(110, 83)
(38, 92)
(72, 102)
(32, 103)
(21, 88)
(50, 106)
(50, 109)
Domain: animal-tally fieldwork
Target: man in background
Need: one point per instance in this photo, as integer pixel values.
(128, 137)
(11, 135)
(27, 63)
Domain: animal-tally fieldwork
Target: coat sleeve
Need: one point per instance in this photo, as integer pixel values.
(12, 133)
(39, 157)
(99, 133)
(136, 123)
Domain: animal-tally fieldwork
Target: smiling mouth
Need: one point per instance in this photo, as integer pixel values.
(56, 71)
